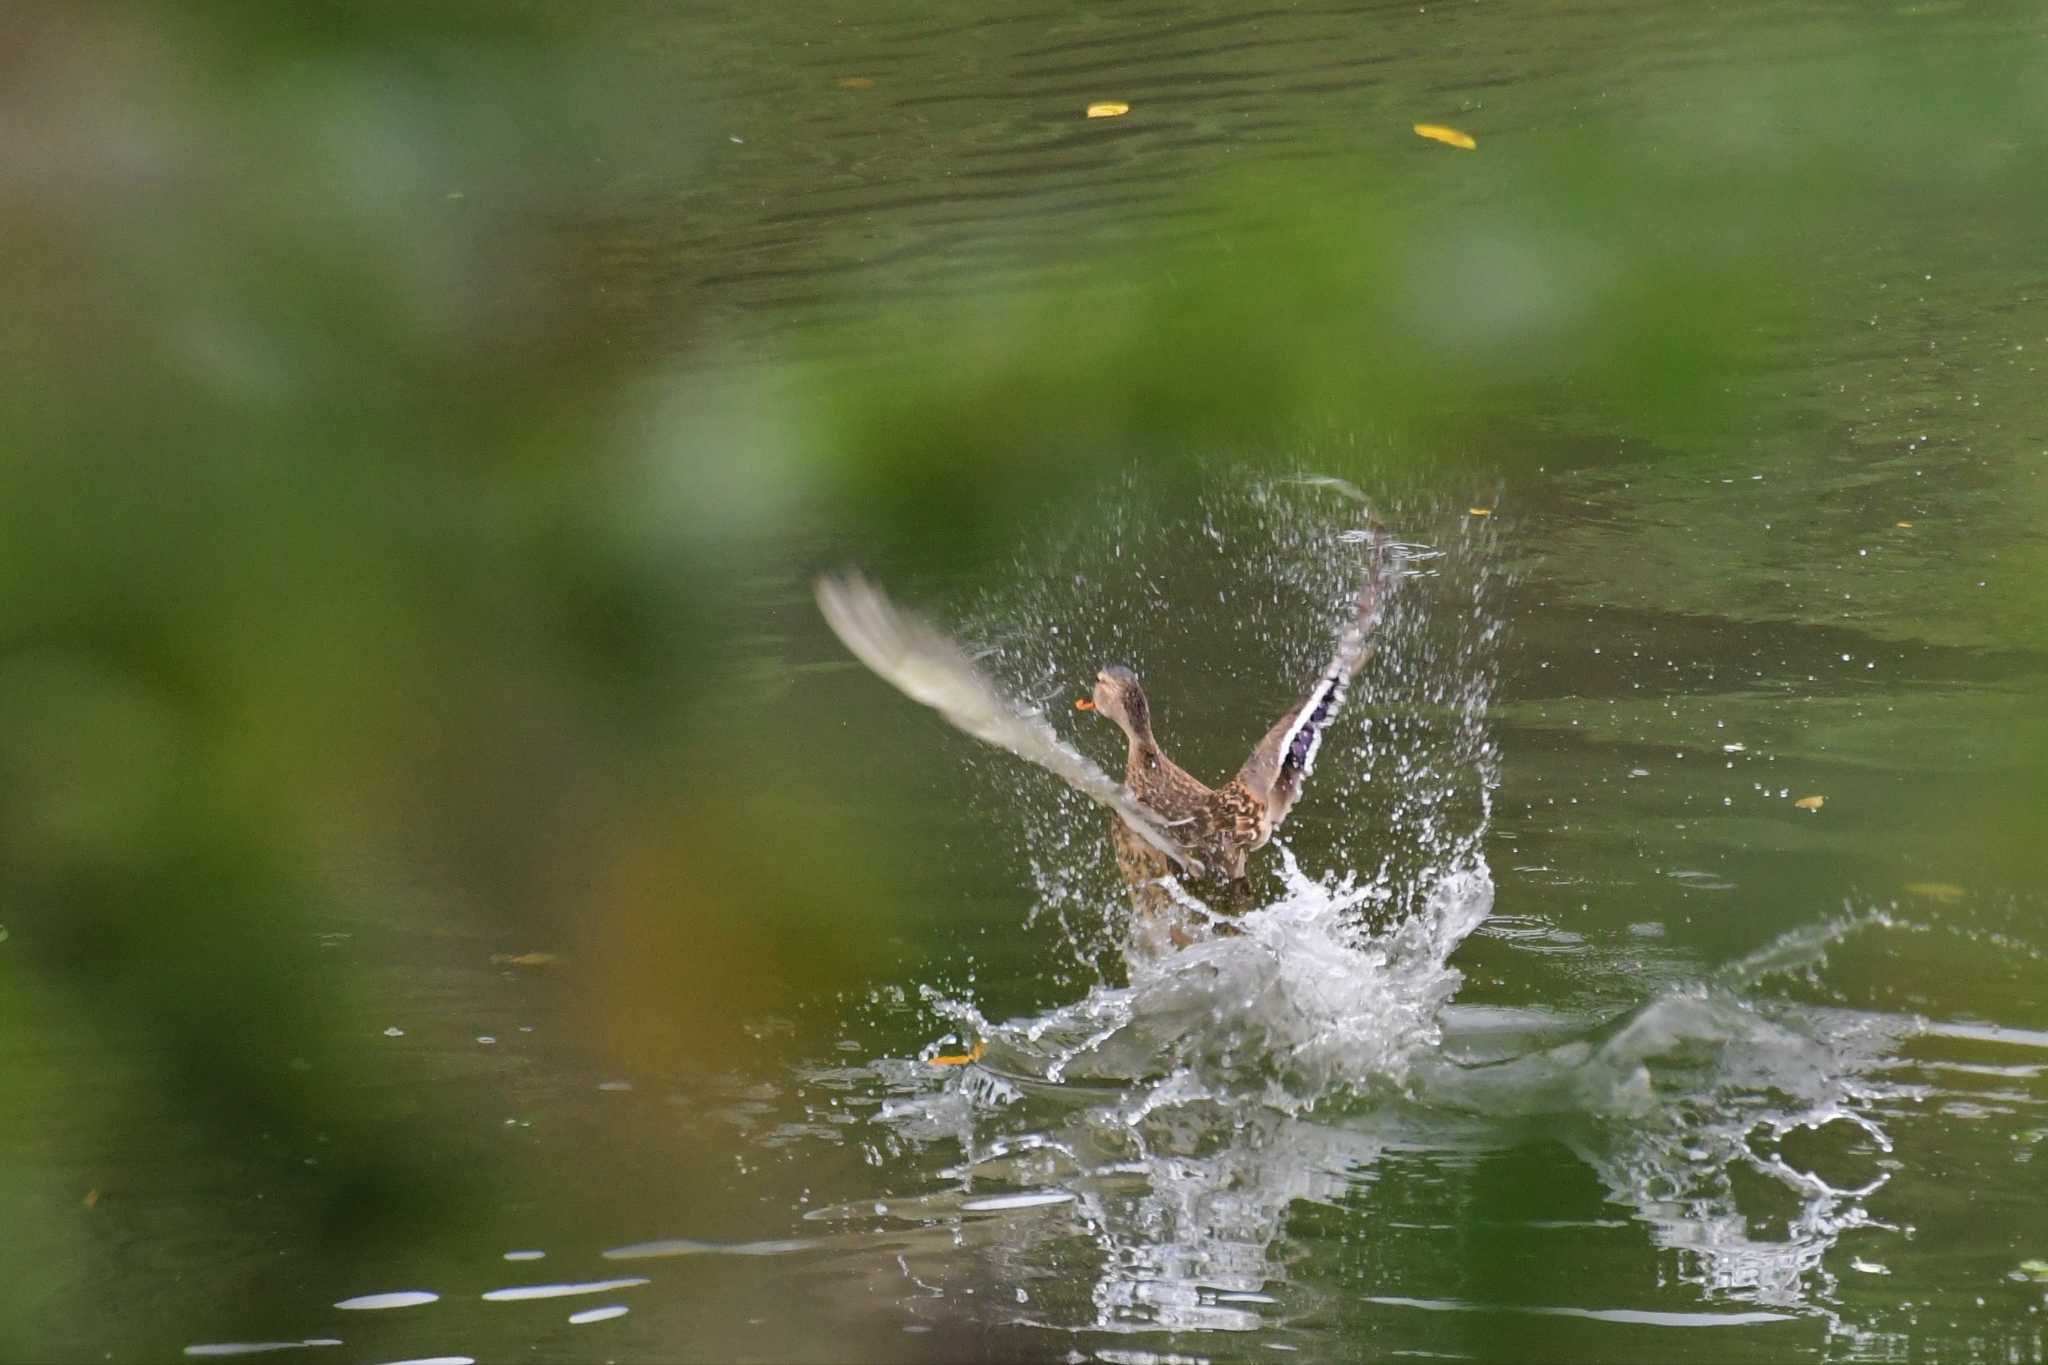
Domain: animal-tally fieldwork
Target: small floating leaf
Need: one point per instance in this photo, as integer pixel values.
(1450, 137)
(1934, 891)
(1108, 109)
(2034, 1270)
(1903, 525)
(854, 83)
(526, 959)
(92, 1198)
(972, 1055)
(1481, 511)
(1811, 802)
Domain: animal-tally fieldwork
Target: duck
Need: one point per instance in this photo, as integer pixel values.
(1182, 847)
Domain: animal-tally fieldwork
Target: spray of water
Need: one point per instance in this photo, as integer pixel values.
(1227, 610)
(1177, 1112)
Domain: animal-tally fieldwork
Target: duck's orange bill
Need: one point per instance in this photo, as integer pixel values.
(973, 1055)
(1084, 705)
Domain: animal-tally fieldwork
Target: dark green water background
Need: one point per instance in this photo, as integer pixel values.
(1760, 525)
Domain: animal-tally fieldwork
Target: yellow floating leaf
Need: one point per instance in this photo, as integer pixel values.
(1903, 525)
(1450, 137)
(1811, 802)
(1108, 109)
(972, 1055)
(526, 959)
(92, 1197)
(1934, 891)
(1481, 511)
(854, 83)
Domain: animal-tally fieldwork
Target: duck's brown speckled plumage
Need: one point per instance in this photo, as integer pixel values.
(1220, 827)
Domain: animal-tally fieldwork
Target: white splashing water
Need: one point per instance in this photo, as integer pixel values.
(1226, 611)
(1196, 1108)
(1187, 1110)
(1301, 1005)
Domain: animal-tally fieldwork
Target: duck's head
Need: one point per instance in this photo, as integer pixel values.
(1118, 696)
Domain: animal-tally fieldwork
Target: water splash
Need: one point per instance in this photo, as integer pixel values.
(1164, 1127)
(1227, 609)
(1165, 1116)
(1176, 1124)
(1303, 1004)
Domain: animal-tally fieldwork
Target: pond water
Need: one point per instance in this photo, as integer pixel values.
(1564, 1031)
(1656, 966)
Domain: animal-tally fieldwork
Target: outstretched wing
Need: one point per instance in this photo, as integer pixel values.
(927, 666)
(1285, 757)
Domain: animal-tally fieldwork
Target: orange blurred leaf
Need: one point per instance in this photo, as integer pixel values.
(1108, 109)
(1811, 802)
(854, 83)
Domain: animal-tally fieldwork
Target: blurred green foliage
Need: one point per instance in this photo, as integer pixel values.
(306, 566)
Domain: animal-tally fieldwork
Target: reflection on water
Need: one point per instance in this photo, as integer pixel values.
(1183, 1185)
(1744, 1134)
(1699, 1087)
(1174, 1158)
(246, 1348)
(521, 1293)
(605, 1314)
(402, 1298)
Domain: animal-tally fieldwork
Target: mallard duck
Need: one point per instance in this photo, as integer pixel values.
(1166, 824)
